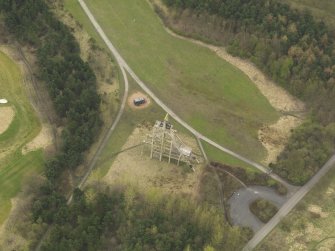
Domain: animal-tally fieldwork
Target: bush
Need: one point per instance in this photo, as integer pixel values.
(263, 209)
(307, 150)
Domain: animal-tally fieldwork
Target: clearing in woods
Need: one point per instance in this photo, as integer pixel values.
(22, 128)
(134, 166)
(212, 95)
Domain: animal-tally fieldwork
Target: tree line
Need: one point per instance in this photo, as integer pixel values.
(124, 219)
(295, 50)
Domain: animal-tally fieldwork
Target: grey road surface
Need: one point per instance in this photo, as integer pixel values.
(289, 205)
(198, 135)
(240, 201)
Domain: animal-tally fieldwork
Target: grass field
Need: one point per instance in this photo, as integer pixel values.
(213, 96)
(25, 126)
(311, 225)
(323, 9)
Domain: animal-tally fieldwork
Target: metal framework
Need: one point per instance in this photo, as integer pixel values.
(165, 143)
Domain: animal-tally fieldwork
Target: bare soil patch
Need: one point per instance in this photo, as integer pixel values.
(135, 167)
(138, 95)
(278, 97)
(6, 117)
(274, 137)
(42, 140)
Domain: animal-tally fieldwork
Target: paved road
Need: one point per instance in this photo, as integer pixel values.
(289, 205)
(240, 201)
(198, 135)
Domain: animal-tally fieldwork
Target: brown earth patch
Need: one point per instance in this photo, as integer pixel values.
(138, 95)
(42, 140)
(135, 167)
(6, 117)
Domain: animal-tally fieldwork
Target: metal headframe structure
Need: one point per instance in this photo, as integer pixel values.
(165, 143)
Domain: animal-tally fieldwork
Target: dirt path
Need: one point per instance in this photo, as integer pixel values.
(274, 136)
(6, 117)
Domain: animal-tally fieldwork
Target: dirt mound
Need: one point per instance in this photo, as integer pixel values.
(138, 95)
(6, 117)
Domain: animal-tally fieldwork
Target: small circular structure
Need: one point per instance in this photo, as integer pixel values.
(138, 101)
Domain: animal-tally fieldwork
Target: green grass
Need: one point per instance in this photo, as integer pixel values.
(25, 126)
(295, 229)
(263, 209)
(217, 155)
(212, 95)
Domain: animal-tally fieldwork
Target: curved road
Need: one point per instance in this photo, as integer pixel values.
(198, 135)
(242, 198)
(289, 205)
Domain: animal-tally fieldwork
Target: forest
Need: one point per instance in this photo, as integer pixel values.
(124, 219)
(295, 50)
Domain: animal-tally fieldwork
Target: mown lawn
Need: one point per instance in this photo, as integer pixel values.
(212, 95)
(14, 166)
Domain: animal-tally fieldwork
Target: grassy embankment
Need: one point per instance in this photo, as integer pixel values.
(311, 225)
(25, 126)
(213, 96)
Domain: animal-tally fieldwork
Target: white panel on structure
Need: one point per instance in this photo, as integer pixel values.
(185, 151)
